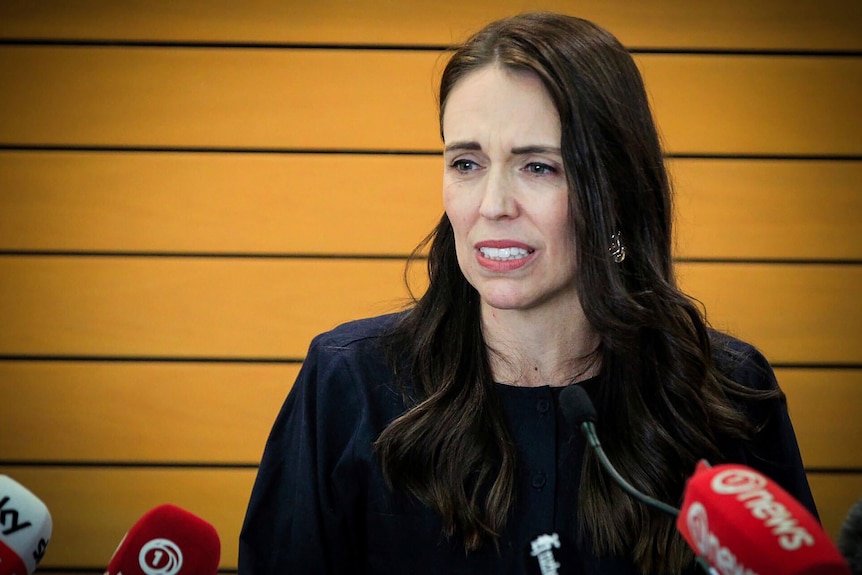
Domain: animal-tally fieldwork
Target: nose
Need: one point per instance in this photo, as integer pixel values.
(498, 198)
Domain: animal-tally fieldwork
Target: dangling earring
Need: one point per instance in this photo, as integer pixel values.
(617, 249)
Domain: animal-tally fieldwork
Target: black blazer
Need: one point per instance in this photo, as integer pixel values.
(320, 506)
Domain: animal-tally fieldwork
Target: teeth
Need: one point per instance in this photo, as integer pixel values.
(503, 254)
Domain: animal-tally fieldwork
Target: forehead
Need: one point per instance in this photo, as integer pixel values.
(506, 101)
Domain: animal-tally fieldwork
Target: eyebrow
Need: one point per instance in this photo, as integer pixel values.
(536, 150)
(519, 151)
(457, 146)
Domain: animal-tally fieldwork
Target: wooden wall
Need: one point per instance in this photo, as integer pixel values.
(189, 191)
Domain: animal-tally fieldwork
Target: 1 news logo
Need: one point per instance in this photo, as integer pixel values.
(160, 557)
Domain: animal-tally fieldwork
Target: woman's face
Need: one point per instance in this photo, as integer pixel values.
(505, 191)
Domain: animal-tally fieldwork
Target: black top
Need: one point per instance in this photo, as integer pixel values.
(319, 503)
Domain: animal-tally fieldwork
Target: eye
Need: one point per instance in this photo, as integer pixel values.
(539, 169)
(464, 166)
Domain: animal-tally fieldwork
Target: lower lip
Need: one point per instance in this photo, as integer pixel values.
(503, 265)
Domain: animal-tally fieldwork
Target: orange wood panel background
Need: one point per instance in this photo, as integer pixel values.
(190, 191)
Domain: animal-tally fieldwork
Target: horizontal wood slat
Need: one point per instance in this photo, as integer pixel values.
(747, 105)
(156, 412)
(93, 508)
(219, 98)
(218, 203)
(794, 314)
(335, 99)
(834, 494)
(187, 308)
(736, 24)
(339, 204)
(767, 209)
(824, 405)
(140, 412)
(247, 308)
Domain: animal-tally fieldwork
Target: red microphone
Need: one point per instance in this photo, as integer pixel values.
(740, 522)
(167, 540)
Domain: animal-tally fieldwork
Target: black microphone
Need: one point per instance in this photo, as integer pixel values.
(578, 408)
(850, 538)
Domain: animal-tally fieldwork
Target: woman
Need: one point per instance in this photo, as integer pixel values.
(431, 441)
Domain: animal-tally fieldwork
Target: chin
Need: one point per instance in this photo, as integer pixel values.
(505, 301)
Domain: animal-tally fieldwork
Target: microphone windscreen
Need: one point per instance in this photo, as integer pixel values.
(740, 522)
(576, 405)
(850, 538)
(167, 540)
(25, 528)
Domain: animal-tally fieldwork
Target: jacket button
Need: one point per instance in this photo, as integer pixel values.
(539, 480)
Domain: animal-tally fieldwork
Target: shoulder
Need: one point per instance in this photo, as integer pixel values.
(357, 334)
(742, 362)
(353, 358)
(346, 380)
(772, 448)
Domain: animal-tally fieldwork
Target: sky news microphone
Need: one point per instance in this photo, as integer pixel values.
(167, 540)
(740, 521)
(25, 528)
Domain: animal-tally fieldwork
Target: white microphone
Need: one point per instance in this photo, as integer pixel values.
(25, 528)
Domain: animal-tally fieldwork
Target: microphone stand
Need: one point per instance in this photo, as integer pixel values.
(589, 430)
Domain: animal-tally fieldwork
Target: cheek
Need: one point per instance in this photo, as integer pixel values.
(456, 209)
(563, 232)
(460, 222)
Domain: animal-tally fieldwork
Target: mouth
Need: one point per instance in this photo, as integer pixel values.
(504, 254)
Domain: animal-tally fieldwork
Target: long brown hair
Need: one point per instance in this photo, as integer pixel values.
(662, 401)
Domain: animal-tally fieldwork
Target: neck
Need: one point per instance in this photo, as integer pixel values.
(531, 348)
